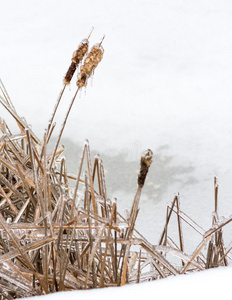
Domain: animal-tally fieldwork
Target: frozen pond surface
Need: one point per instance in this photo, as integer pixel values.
(164, 84)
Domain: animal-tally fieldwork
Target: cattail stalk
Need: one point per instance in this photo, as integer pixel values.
(78, 56)
(90, 64)
(145, 163)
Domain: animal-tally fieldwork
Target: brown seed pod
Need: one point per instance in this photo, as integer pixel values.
(90, 63)
(70, 72)
(78, 55)
(146, 160)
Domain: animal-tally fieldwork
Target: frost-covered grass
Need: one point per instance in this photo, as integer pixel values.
(164, 83)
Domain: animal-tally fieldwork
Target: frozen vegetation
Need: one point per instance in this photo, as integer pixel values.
(164, 84)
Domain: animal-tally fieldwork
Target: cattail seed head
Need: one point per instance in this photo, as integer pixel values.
(90, 64)
(78, 55)
(70, 73)
(145, 162)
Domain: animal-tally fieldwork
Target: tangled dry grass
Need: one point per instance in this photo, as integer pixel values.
(60, 231)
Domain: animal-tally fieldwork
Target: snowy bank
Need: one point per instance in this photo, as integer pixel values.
(209, 284)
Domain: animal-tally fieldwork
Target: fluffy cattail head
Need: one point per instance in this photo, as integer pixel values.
(90, 63)
(146, 160)
(78, 55)
(70, 73)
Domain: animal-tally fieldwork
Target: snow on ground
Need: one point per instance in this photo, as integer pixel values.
(210, 284)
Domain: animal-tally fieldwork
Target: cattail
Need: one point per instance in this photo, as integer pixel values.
(78, 55)
(145, 163)
(90, 64)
